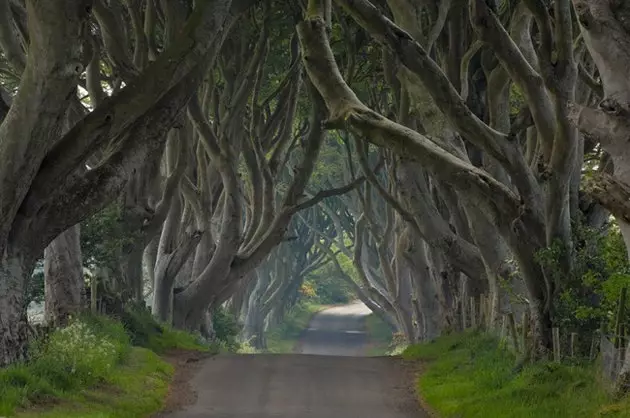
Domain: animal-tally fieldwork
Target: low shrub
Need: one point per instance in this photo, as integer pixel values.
(146, 332)
(84, 353)
(171, 338)
(79, 355)
(246, 348)
(95, 350)
(227, 329)
(141, 326)
(138, 388)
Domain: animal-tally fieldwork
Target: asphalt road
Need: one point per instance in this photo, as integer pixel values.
(337, 331)
(326, 382)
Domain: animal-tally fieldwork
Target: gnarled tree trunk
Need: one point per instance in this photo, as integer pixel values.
(14, 273)
(63, 277)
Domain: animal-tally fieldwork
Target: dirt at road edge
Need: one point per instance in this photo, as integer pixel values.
(412, 369)
(180, 391)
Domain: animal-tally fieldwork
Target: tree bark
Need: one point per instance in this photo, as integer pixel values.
(132, 274)
(514, 210)
(44, 187)
(63, 275)
(32, 125)
(13, 320)
(166, 272)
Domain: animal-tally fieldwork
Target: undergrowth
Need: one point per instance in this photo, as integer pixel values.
(95, 364)
(145, 332)
(226, 329)
(470, 376)
(136, 389)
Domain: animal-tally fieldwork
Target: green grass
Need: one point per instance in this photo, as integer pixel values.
(136, 389)
(283, 337)
(92, 369)
(469, 376)
(146, 332)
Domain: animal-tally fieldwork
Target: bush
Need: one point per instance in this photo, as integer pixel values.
(587, 299)
(146, 332)
(137, 388)
(83, 353)
(177, 339)
(226, 329)
(94, 350)
(141, 326)
(328, 286)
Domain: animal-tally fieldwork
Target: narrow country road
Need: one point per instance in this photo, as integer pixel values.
(324, 382)
(338, 331)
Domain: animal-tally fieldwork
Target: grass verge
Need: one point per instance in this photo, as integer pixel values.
(382, 341)
(136, 389)
(94, 367)
(283, 337)
(469, 376)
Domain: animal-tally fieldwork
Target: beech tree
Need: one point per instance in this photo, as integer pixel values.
(239, 169)
(461, 133)
(44, 186)
(524, 186)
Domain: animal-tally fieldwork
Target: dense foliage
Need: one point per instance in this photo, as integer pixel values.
(226, 329)
(325, 286)
(104, 238)
(587, 301)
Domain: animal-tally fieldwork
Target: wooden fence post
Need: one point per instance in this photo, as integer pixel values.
(512, 325)
(574, 337)
(464, 315)
(492, 318)
(94, 293)
(489, 314)
(482, 310)
(525, 333)
(473, 313)
(556, 344)
(591, 353)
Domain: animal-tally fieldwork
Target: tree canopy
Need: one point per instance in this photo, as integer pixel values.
(218, 153)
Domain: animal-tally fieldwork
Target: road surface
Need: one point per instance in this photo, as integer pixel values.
(338, 331)
(326, 382)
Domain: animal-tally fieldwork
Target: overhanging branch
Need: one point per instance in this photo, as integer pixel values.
(348, 112)
(611, 194)
(327, 193)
